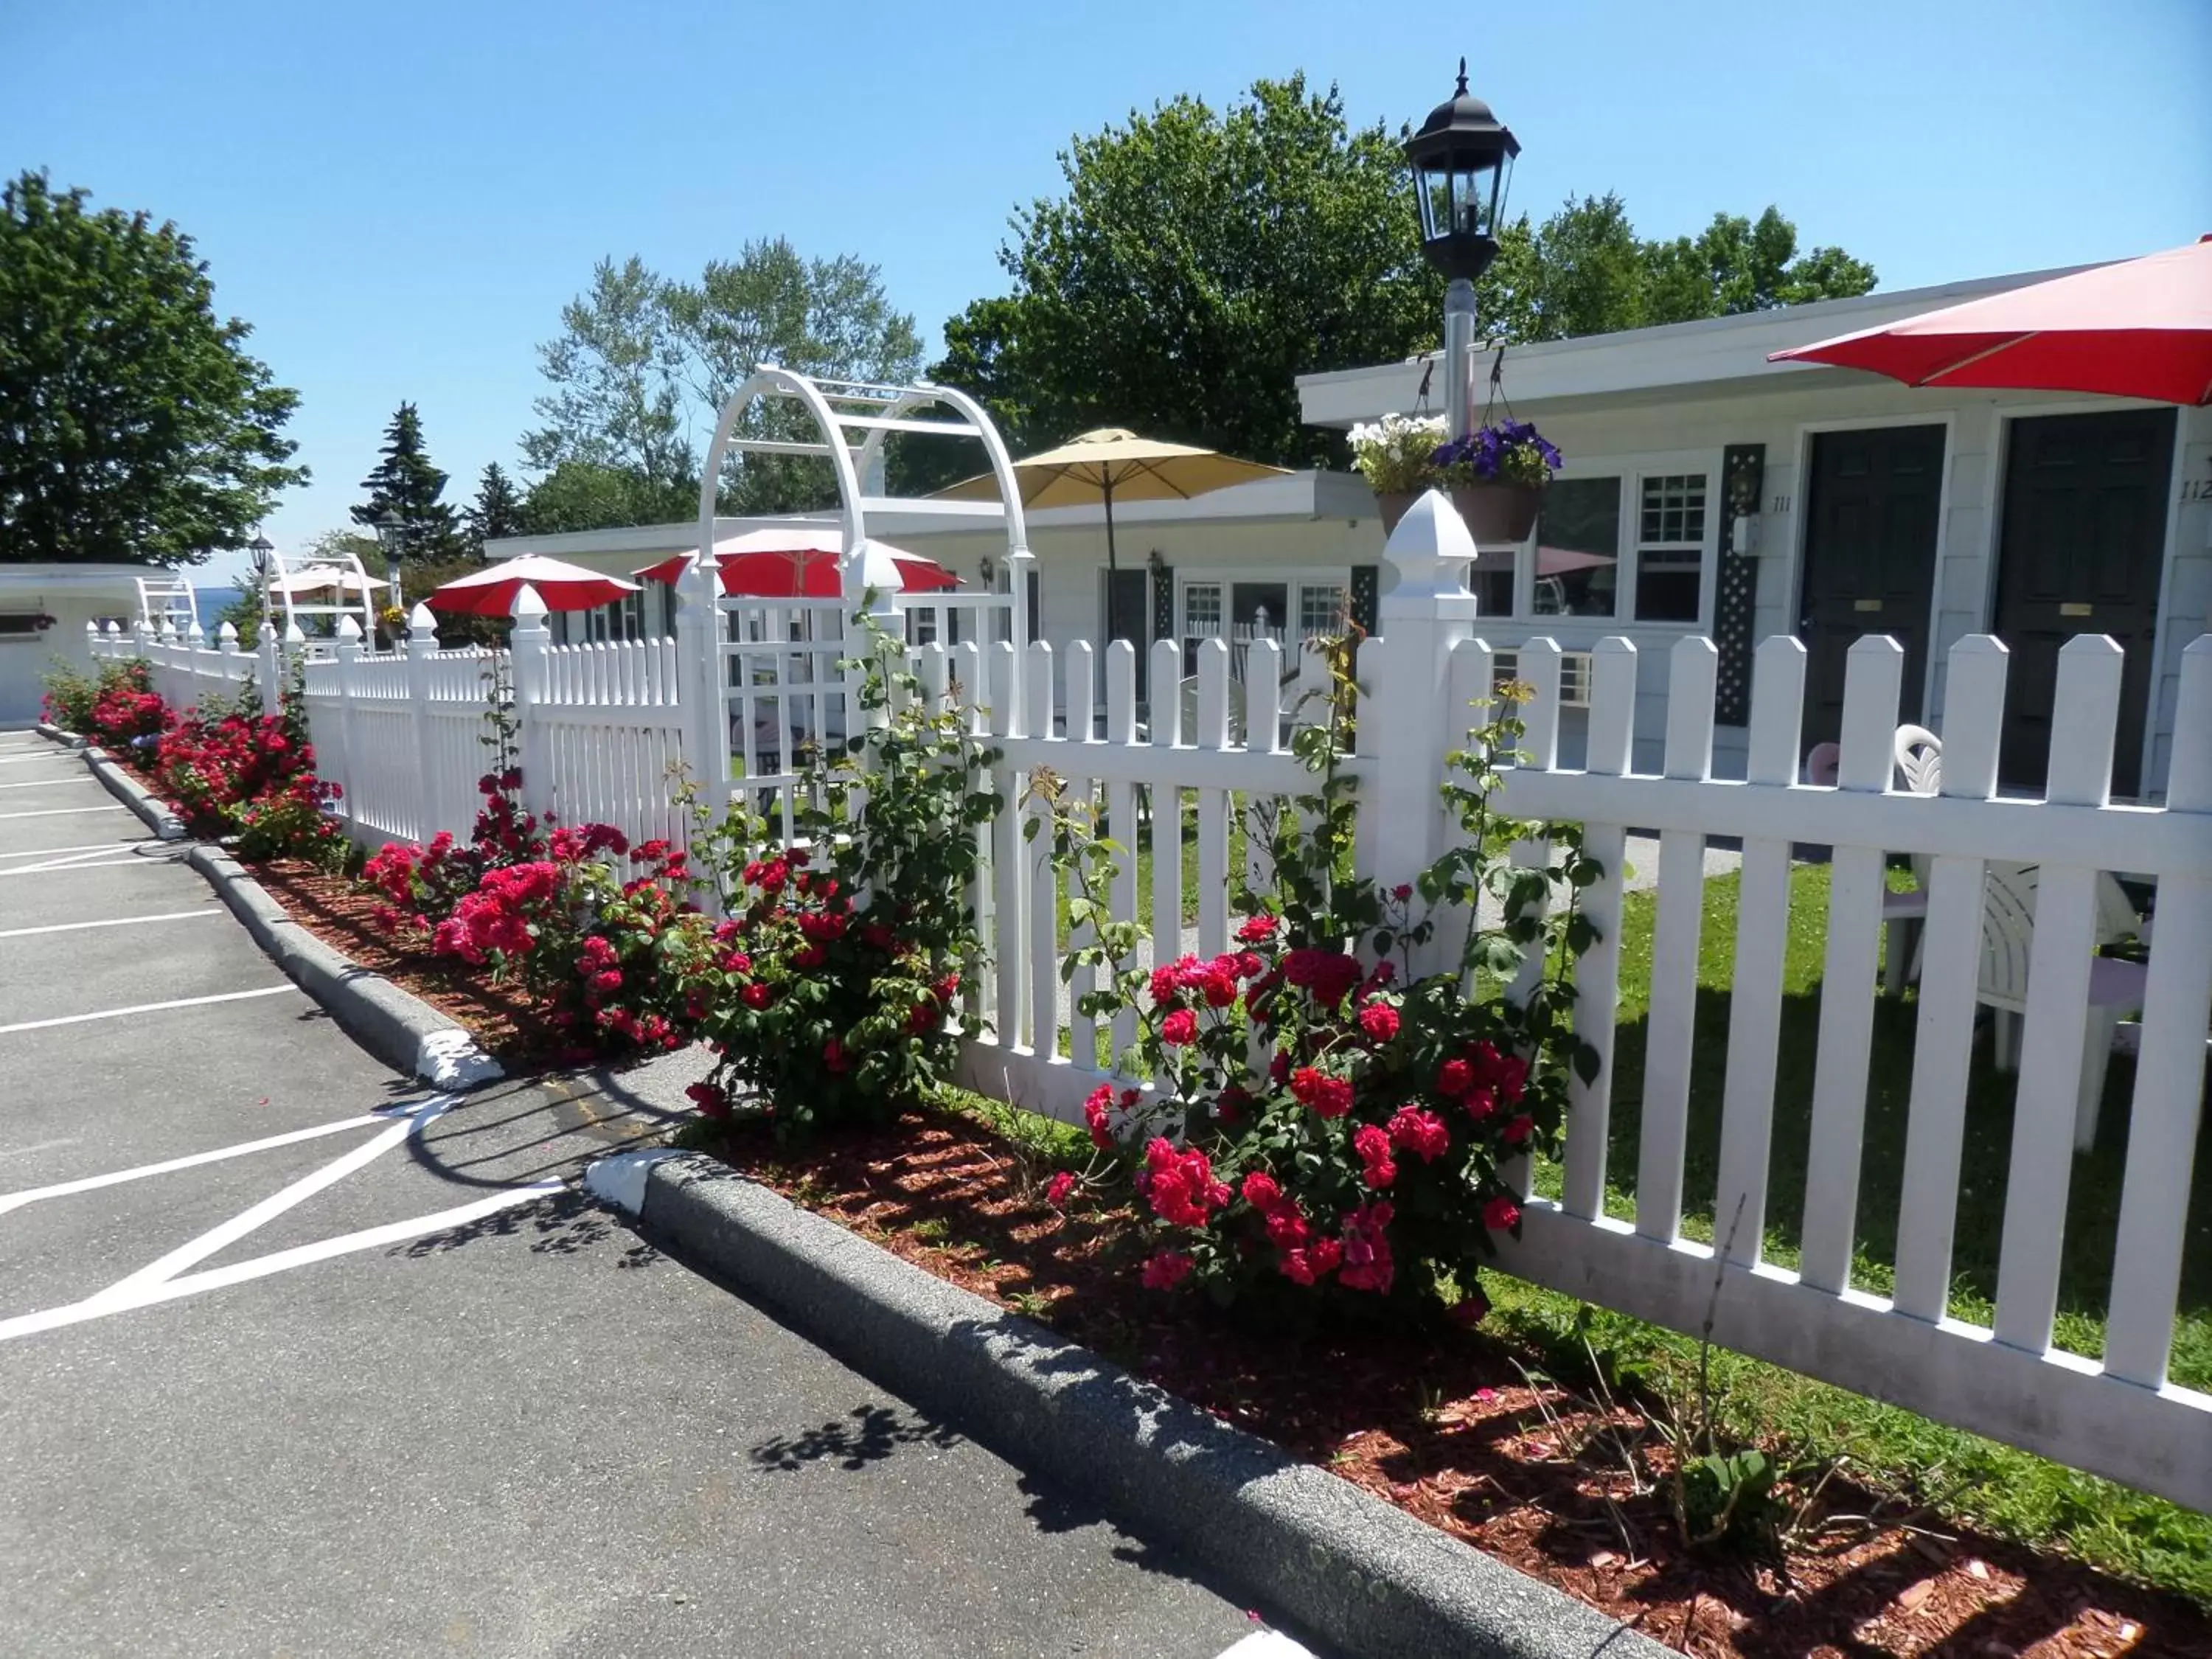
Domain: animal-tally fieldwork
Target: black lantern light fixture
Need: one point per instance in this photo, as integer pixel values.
(1463, 161)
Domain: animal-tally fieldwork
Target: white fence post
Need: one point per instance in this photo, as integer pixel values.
(421, 646)
(1408, 710)
(533, 639)
(274, 667)
(348, 666)
(701, 684)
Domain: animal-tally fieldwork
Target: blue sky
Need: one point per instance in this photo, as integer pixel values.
(400, 197)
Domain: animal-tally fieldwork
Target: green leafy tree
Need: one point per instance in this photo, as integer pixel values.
(405, 482)
(1201, 261)
(643, 362)
(1585, 271)
(133, 424)
(585, 495)
(827, 318)
(497, 511)
(616, 382)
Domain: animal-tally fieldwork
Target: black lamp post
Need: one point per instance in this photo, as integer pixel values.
(391, 537)
(1462, 160)
(261, 551)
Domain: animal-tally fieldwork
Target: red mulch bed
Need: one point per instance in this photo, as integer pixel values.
(1452, 1432)
(338, 911)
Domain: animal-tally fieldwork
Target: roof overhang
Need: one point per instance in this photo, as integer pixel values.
(64, 577)
(1712, 355)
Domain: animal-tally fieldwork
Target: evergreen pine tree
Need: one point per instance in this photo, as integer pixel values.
(497, 511)
(407, 483)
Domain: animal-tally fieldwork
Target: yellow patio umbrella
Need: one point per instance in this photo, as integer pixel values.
(1114, 463)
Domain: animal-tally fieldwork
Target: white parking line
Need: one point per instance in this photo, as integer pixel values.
(50, 783)
(63, 811)
(145, 1008)
(1266, 1644)
(55, 852)
(111, 921)
(192, 1160)
(260, 1266)
(102, 860)
(222, 1238)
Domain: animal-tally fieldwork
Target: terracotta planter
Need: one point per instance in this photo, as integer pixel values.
(1394, 505)
(1497, 513)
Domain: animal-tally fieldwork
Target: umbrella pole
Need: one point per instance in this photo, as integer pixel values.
(1106, 495)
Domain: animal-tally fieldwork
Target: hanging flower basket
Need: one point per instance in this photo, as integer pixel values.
(1394, 505)
(1497, 513)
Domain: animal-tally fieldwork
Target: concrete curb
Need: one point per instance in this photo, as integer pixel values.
(1359, 1573)
(134, 794)
(402, 1031)
(53, 733)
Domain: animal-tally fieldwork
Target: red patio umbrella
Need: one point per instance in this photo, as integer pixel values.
(780, 564)
(2139, 329)
(563, 587)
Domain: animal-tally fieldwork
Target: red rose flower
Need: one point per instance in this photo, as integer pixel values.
(1516, 1130)
(1420, 1133)
(1263, 1191)
(1379, 1020)
(1179, 1028)
(756, 995)
(1056, 1193)
(1167, 1270)
(1501, 1214)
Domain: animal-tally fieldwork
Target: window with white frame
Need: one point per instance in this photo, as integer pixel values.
(1322, 607)
(1201, 611)
(1670, 546)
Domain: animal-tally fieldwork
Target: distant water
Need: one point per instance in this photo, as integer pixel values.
(210, 604)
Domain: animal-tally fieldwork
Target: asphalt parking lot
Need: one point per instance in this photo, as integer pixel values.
(296, 1358)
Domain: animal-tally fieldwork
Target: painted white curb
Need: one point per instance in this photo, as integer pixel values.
(620, 1180)
(452, 1059)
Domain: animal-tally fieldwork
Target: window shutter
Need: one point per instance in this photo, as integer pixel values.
(1366, 588)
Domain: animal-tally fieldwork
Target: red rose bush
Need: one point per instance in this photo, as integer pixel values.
(1323, 1123)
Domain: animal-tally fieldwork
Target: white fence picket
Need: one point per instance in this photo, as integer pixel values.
(1872, 679)
(1597, 975)
(1950, 969)
(1122, 809)
(1693, 672)
(1212, 734)
(2052, 1035)
(1167, 806)
(2169, 1060)
(1762, 938)
(1043, 895)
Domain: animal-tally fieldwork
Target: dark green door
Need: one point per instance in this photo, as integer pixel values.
(2083, 542)
(1872, 511)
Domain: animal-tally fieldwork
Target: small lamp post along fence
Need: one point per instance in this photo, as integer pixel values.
(1463, 161)
(260, 551)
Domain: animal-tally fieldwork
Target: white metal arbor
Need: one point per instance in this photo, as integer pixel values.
(771, 687)
(839, 408)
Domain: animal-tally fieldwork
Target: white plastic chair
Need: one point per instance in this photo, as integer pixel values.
(1918, 754)
(1190, 690)
(2116, 986)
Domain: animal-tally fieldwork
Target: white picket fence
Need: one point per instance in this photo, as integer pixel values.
(601, 724)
